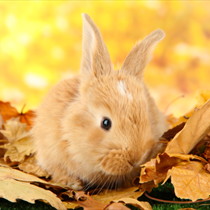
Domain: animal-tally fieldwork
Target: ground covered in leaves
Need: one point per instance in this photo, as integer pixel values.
(184, 165)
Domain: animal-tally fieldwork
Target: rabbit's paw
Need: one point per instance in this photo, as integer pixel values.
(72, 182)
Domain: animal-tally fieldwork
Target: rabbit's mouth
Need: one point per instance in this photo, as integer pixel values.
(117, 162)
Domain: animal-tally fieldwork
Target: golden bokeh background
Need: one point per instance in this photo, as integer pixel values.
(40, 44)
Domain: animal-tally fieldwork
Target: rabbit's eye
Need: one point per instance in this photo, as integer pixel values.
(106, 123)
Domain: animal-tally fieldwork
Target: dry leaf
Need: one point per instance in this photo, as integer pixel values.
(70, 205)
(172, 132)
(139, 204)
(8, 112)
(106, 196)
(7, 172)
(196, 128)
(20, 144)
(207, 167)
(88, 203)
(184, 171)
(14, 185)
(12, 190)
(30, 166)
(190, 180)
(116, 206)
(1, 120)
(206, 153)
(156, 169)
(2, 137)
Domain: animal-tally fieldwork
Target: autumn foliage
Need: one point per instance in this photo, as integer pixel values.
(185, 161)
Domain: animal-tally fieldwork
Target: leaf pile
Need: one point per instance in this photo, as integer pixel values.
(185, 161)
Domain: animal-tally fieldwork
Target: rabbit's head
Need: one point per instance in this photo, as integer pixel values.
(110, 125)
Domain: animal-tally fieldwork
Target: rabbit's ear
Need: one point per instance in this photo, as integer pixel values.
(95, 56)
(141, 54)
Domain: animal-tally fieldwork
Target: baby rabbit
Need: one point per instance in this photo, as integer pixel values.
(98, 127)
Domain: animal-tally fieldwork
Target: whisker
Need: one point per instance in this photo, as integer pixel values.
(103, 185)
(98, 183)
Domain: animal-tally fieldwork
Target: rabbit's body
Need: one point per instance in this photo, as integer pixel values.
(71, 136)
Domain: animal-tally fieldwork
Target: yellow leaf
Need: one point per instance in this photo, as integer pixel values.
(196, 128)
(12, 190)
(20, 144)
(190, 180)
(106, 196)
(14, 130)
(13, 185)
(140, 204)
(156, 169)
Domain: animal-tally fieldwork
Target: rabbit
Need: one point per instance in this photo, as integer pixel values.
(99, 126)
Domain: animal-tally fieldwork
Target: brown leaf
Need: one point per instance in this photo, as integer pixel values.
(1, 120)
(87, 202)
(187, 174)
(8, 112)
(207, 153)
(190, 180)
(156, 169)
(196, 128)
(106, 196)
(30, 166)
(70, 205)
(139, 204)
(7, 172)
(207, 167)
(116, 206)
(14, 185)
(2, 137)
(20, 144)
(172, 132)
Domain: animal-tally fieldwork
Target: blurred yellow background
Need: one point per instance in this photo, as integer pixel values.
(40, 44)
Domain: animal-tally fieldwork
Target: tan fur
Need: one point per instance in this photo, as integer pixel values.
(70, 143)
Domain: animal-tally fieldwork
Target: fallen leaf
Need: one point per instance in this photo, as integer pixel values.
(14, 185)
(190, 180)
(139, 204)
(206, 153)
(30, 166)
(196, 128)
(207, 167)
(1, 120)
(8, 112)
(173, 131)
(156, 169)
(87, 202)
(12, 190)
(70, 205)
(108, 195)
(117, 206)
(19, 143)
(8, 172)
(2, 137)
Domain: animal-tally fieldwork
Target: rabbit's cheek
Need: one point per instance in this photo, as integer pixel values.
(117, 162)
(95, 136)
